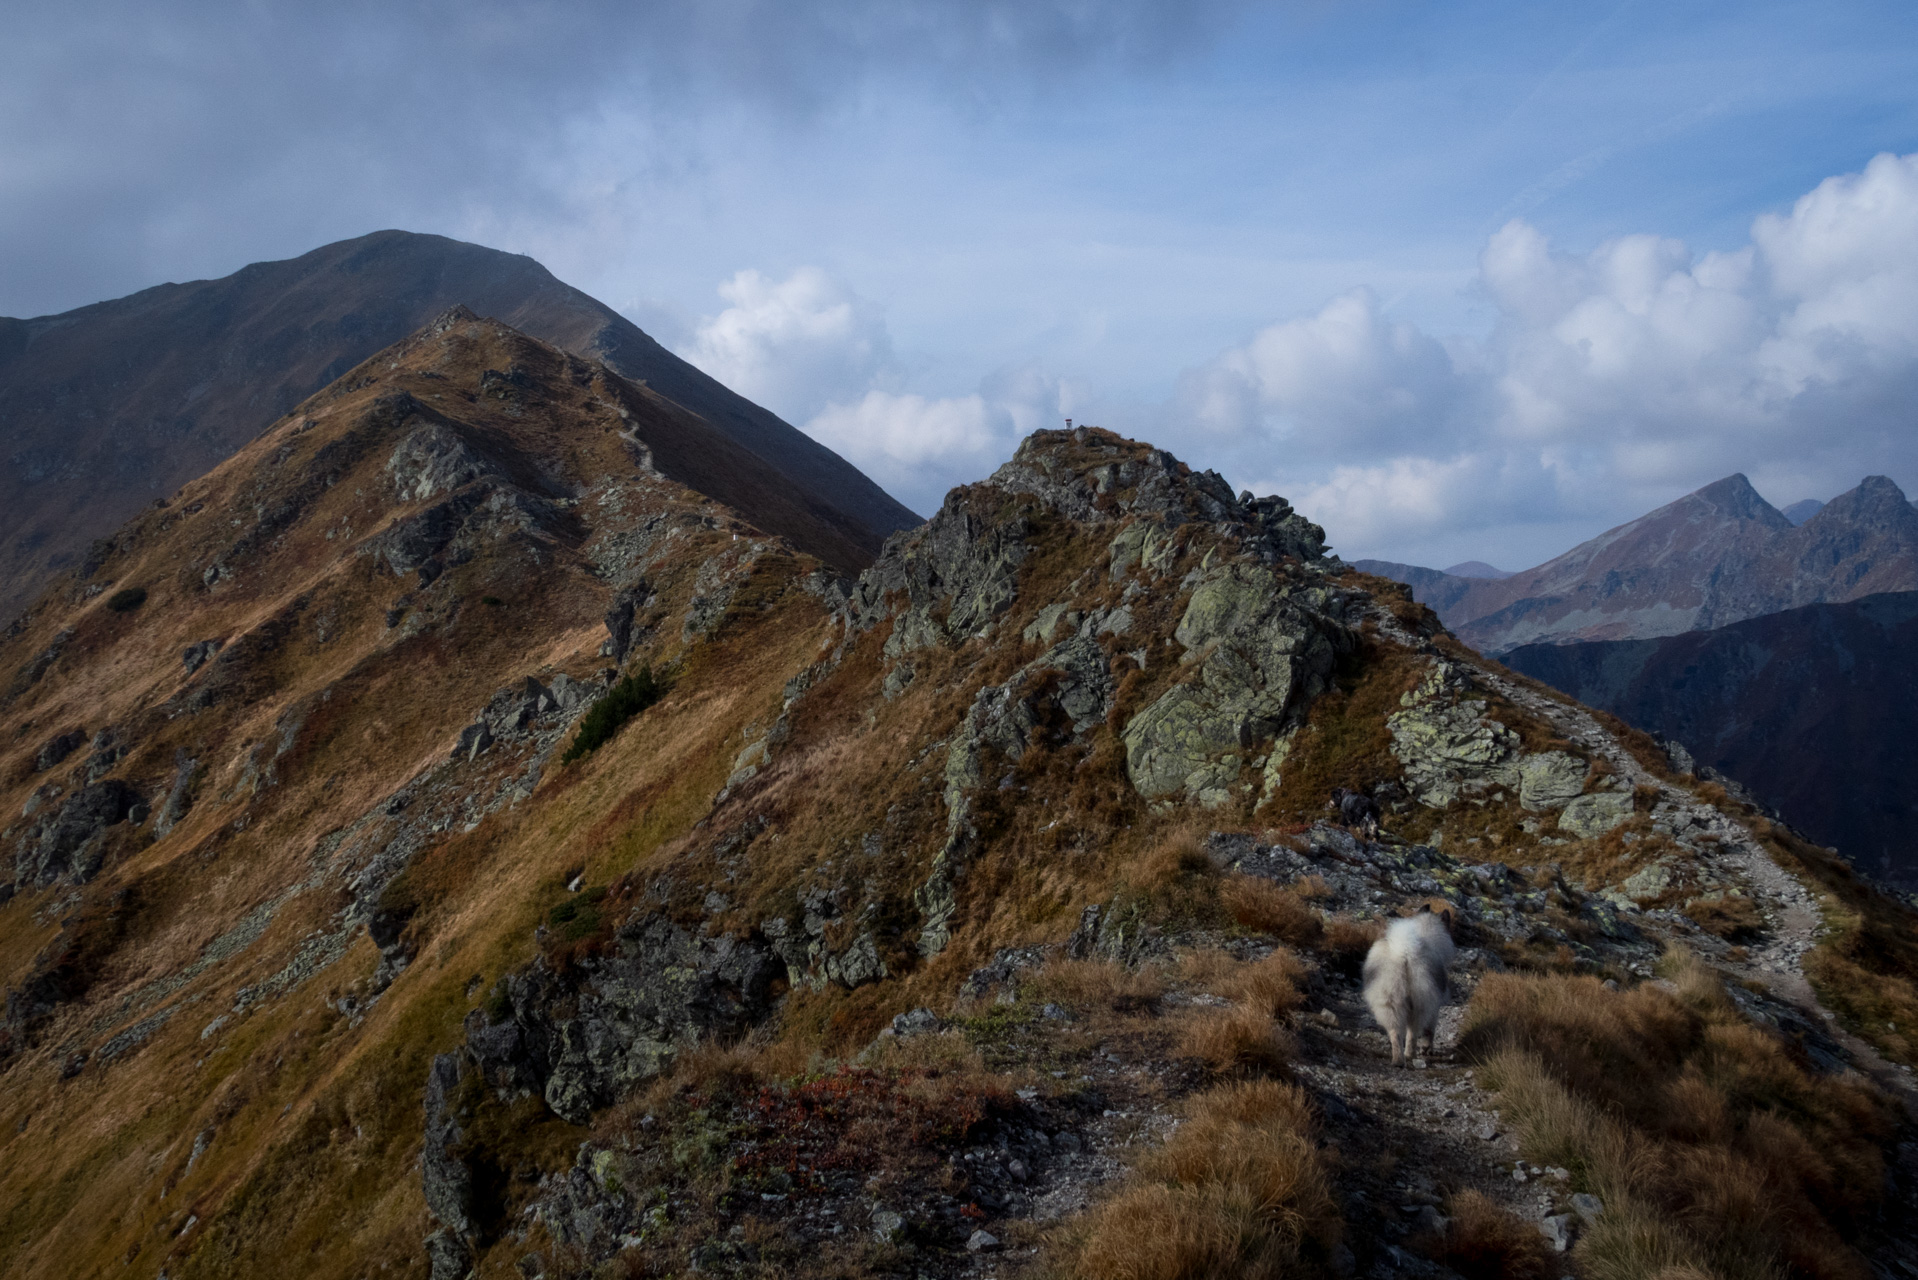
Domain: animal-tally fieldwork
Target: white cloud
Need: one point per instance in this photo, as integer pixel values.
(918, 447)
(818, 354)
(1610, 381)
(794, 345)
(1350, 365)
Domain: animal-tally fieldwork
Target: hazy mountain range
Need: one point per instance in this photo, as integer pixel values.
(1713, 557)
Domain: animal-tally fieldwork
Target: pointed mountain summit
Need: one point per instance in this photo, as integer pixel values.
(110, 406)
(1713, 557)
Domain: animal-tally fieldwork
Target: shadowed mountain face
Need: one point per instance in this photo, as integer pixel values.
(1810, 708)
(1714, 557)
(107, 407)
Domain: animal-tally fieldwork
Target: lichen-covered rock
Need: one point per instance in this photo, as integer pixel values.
(445, 1178)
(1145, 544)
(1550, 780)
(1595, 814)
(1447, 743)
(1648, 883)
(1261, 654)
(1072, 679)
(434, 459)
(916, 628)
(661, 990)
(69, 841)
(196, 654)
(447, 1257)
(58, 748)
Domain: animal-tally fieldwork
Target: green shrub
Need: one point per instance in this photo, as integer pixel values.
(127, 599)
(621, 703)
(578, 917)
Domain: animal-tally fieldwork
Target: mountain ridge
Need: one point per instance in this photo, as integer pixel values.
(949, 920)
(1713, 557)
(114, 404)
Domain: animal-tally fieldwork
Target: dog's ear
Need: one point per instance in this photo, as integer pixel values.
(1425, 909)
(1446, 915)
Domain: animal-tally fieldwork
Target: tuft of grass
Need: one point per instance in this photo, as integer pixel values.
(127, 599)
(1346, 941)
(1101, 984)
(1735, 919)
(1243, 1039)
(1167, 865)
(1238, 1190)
(1263, 907)
(1485, 1241)
(619, 704)
(1711, 1145)
(1272, 984)
(578, 917)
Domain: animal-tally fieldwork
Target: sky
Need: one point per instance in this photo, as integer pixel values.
(1462, 281)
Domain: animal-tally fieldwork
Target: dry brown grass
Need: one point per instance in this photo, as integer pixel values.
(1272, 984)
(1485, 1241)
(1260, 905)
(1242, 1038)
(1101, 984)
(1735, 919)
(1239, 1190)
(1346, 940)
(1345, 742)
(1166, 865)
(1312, 888)
(1711, 1146)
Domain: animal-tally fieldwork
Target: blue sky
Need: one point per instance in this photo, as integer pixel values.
(1463, 281)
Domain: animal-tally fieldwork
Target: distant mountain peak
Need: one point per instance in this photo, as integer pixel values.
(1735, 497)
(1713, 557)
(1876, 499)
(1477, 569)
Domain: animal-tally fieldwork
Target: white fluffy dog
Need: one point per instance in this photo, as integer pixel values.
(1405, 982)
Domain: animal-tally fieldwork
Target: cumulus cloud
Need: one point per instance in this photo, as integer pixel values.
(794, 345)
(918, 447)
(1611, 381)
(815, 352)
(1378, 379)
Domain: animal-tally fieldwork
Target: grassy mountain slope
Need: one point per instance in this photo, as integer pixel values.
(893, 937)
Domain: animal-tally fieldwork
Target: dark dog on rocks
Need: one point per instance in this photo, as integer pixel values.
(1357, 811)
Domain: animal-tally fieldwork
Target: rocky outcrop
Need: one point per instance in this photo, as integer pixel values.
(1447, 742)
(1261, 653)
(1262, 645)
(583, 1038)
(58, 748)
(69, 842)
